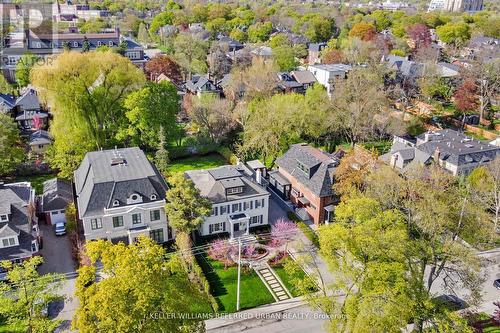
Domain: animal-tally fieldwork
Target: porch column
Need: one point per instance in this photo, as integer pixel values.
(231, 226)
(248, 226)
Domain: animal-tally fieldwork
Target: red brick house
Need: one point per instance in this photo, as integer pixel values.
(305, 176)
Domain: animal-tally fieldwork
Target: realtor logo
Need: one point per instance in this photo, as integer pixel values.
(25, 28)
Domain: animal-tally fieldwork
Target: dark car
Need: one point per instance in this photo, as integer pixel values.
(496, 283)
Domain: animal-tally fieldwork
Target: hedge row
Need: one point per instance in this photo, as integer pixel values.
(310, 234)
(204, 283)
(228, 155)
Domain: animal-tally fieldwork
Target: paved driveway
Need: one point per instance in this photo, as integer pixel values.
(276, 211)
(56, 252)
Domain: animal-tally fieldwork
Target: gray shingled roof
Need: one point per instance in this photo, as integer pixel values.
(17, 198)
(322, 167)
(28, 100)
(212, 183)
(303, 77)
(57, 194)
(98, 183)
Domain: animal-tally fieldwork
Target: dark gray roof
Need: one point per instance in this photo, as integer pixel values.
(405, 66)
(109, 175)
(322, 167)
(197, 82)
(213, 183)
(28, 100)
(57, 194)
(40, 137)
(316, 47)
(7, 101)
(15, 200)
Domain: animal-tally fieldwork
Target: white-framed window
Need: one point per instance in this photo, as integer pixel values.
(217, 227)
(4, 218)
(116, 203)
(257, 204)
(154, 215)
(153, 196)
(96, 224)
(75, 44)
(110, 43)
(99, 43)
(37, 45)
(234, 190)
(256, 219)
(117, 221)
(236, 207)
(7, 242)
(215, 211)
(136, 218)
(157, 235)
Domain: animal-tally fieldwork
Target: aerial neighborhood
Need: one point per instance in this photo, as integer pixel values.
(180, 166)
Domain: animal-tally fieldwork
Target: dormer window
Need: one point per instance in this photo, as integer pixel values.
(153, 196)
(116, 203)
(303, 167)
(133, 197)
(110, 43)
(99, 43)
(4, 218)
(234, 190)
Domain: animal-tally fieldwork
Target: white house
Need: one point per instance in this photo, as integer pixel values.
(328, 74)
(238, 202)
(120, 196)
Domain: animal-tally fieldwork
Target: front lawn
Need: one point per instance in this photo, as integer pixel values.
(208, 161)
(288, 279)
(223, 284)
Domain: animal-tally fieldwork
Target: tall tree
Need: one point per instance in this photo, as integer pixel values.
(85, 92)
(23, 68)
(185, 207)
(10, 145)
(26, 297)
(284, 56)
(191, 53)
(139, 282)
(362, 30)
(465, 97)
(213, 115)
(219, 64)
(161, 156)
(454, 33)
(256, 81)
(162, 64)
(153, 107)
(420, 35)
(143, 34)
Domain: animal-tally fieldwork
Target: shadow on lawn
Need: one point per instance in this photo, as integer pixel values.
(216, 286)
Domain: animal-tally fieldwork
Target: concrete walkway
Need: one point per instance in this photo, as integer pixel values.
(273, 283)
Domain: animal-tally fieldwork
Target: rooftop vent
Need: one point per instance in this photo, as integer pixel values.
(117, 159)
(468, 145)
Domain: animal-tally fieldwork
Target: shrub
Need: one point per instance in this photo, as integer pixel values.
(228, 155)
(310, 234)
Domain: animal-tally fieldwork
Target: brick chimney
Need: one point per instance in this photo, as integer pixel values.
(436, 154)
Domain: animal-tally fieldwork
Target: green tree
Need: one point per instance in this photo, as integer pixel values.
(23, 68)
(239, 35)
(148, 109)
(278, 40)
(190, 53)
(284, 56)
(139, 282)
(454, 33)
(160, 20)
(5, 87)
(10, 145)
(85, 45)
(161, 156)
(319, 29)
(260, 32)
(185, 207)
(85, 92)
(143, 34)
(27, 295)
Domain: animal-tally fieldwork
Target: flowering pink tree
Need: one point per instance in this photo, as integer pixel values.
(221, 250)
(37, 122)
(496, 313)
(249, 250)
(283, 231)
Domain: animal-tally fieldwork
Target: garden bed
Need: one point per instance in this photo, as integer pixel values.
(223, 285)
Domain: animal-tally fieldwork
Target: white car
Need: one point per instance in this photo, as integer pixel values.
(60, 229)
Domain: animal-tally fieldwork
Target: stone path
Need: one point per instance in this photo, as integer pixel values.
(273, 283)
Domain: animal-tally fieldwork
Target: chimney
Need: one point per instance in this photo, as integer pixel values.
(427, 137)
(436, 154)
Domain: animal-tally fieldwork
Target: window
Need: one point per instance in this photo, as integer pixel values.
(12, 241)
(116, 203)
(96, 224)
(117, 221)
(136, 218)
(256, 219)
(134, 197)
(246, 205)
(257, 204)
(157, 235)
(5, 242)
(99, 43)
(217, 227)
(153, 196)
(75, 44)
(263, 202)
(236, 207)
(110, 43)
(169, 231)
(215, 211)
(3, 218)
(154, 215)
(33, 247)
(234, 190)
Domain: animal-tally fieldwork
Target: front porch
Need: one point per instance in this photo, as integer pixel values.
(239, 225)
(134, 233)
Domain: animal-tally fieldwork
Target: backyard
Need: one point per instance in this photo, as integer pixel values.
(197, 162)
(223, 284)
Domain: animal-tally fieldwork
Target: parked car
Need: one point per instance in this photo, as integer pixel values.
(496, 283)
(60, 229)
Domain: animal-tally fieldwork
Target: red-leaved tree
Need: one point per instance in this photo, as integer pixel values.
(37, 122)
(162, 64)
(420, 35)
(332, 57)
(466, 96)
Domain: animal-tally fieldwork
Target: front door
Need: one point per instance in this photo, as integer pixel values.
(236, 227)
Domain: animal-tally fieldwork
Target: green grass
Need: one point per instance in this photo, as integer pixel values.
(287, 279)
(488, 327)
(35, 180)
(476, 136)
(381, 147)
(223, 284)
(212, 160)
(5, 328)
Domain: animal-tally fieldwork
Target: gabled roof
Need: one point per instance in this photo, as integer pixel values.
(322, 168)
(108, 175)
(303, 77)
(28, 100)
(7, 101)
(57, 194)
(197, 82)
(40, 137)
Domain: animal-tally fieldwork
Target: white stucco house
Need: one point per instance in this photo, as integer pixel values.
(120, 195)
(328, 74)
(238, 202)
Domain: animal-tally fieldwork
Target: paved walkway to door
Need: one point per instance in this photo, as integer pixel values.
(273, 283)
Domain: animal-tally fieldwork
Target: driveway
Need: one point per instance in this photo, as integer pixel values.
(276, 210)
(56, 252)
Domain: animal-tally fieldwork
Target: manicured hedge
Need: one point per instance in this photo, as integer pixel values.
(204, 283)
(228, 155)
(310, 234)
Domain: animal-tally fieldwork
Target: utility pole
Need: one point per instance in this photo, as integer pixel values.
(239, 276)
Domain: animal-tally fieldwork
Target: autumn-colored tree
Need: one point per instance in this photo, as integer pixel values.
(420, 35)
(465, 96)
(162, 64)
(350, 175)
(364, 31)
(332, 57)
